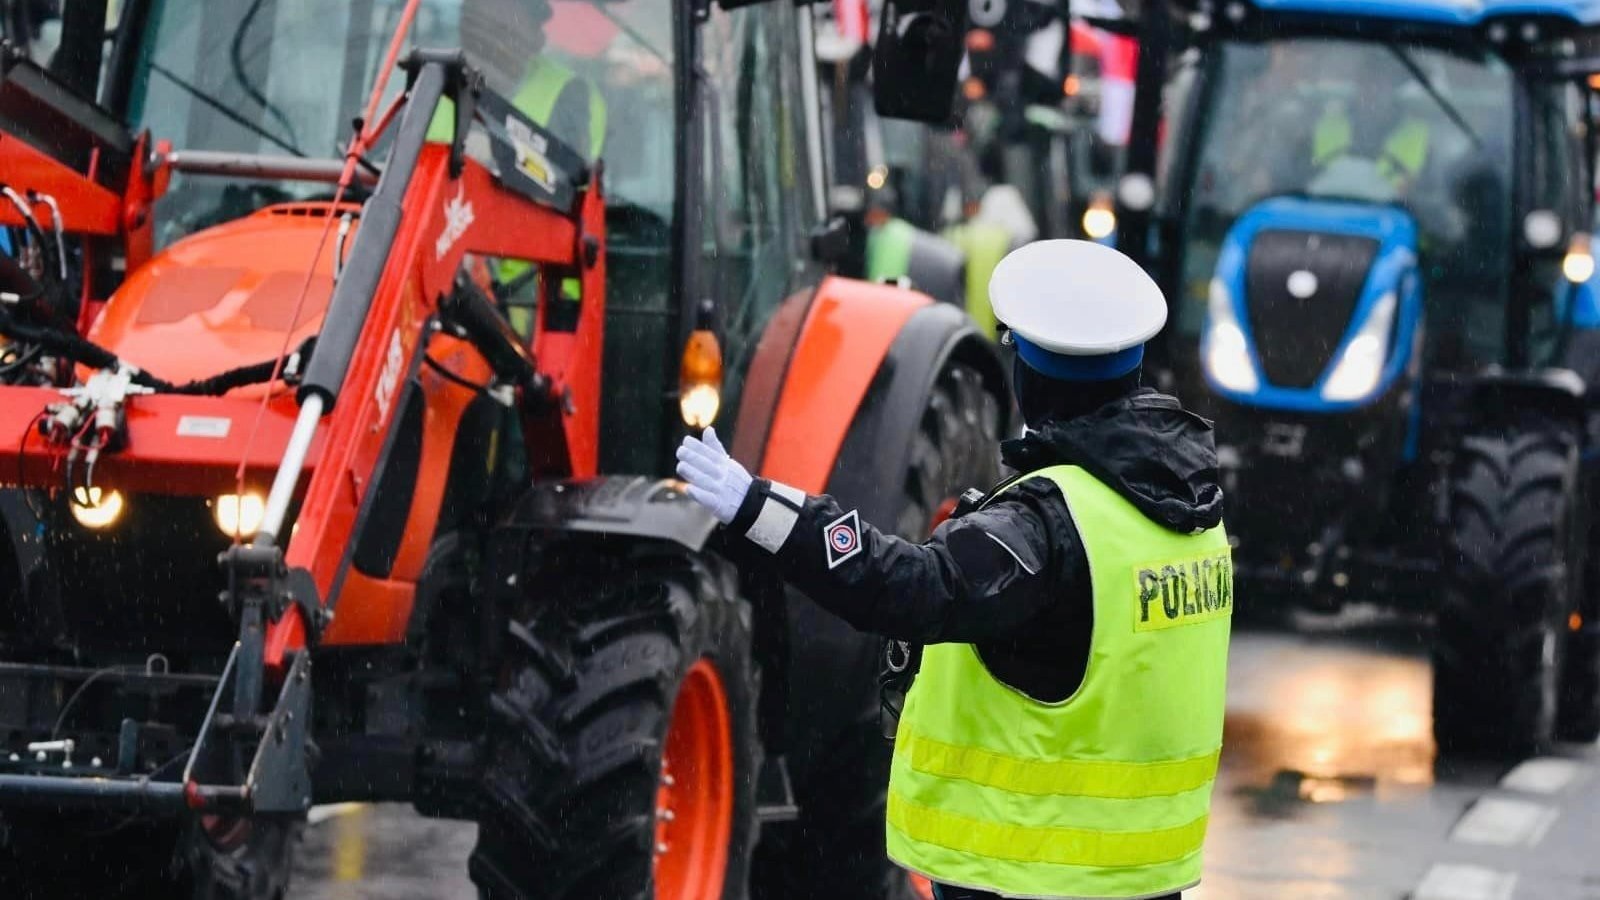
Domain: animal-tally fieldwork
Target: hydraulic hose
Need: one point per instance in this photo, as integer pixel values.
(369, 252)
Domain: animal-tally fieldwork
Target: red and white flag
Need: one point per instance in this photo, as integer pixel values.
(853, 19)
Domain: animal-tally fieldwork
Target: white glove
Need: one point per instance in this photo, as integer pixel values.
(716, 481)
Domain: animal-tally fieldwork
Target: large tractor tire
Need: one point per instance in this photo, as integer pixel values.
(840, 759)
(622, 753)
(1512, 567)
(111, 856)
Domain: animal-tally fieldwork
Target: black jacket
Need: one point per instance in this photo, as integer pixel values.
(1011, 577)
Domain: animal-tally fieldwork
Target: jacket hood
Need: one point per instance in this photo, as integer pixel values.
(1146, 447)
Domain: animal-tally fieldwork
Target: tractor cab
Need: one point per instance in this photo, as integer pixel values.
(1437, 143)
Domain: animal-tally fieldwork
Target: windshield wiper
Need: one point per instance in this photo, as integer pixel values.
(631, 32)
(1449, 108)
(227, 113)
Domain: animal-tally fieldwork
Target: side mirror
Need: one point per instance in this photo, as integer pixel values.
(830, 241)
(915, 61)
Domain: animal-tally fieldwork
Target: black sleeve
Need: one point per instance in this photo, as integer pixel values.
(980, 577)
(569, 118)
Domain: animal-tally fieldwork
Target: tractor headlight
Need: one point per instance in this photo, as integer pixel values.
(1099, 220)
(239, 515)
(95, 508)
(1360, 365)
(1226, 352)
(700, 373)
(1578, 264)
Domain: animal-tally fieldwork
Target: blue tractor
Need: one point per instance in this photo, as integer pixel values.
(1372, 219)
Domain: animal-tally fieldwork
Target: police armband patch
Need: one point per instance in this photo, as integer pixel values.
(843, 538)
(1183, 592)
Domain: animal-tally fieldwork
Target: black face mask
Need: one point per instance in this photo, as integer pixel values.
(1043, 399)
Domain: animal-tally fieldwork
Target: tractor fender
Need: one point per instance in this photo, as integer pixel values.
(618, 505)
(850, 364)
(821, 378)
(877, 449)
(1559, 393)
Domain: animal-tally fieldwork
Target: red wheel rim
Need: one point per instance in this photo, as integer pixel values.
(694, 801)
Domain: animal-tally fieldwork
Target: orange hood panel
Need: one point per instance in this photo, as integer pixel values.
(224, 297)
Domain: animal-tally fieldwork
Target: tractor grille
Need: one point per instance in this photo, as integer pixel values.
(1296, 336)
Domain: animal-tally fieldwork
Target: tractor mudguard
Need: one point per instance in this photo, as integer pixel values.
(877, 449)
(1560, 393)
(838, 350)
(630, 505)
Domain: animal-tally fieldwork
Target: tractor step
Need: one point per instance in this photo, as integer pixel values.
(775, 794)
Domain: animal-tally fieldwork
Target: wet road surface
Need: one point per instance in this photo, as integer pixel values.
(1328, 791)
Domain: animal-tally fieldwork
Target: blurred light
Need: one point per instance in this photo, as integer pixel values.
(1227, 353)
(96, 509)
(1541, 228)
(1594, 82)
(1578, 264)
(878, 177)
(1574, 622)
(1497, 33)
(980, 40)
(1530, 32)
(700, 405)
(1360, 366)
(1137, 191)
(973, 89)
(1099, 220)
(700, 379)
(239, 515)
(1070, 86)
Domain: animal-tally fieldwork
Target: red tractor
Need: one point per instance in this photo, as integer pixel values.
(334, 455)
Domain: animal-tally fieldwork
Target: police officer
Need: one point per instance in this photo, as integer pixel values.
(1062, 735)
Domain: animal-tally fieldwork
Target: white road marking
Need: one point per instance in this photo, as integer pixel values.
(316, 815)
(1457, 882)
(1503, 822)
(1546, 775)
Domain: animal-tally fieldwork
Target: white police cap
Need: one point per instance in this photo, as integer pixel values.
(1077, 310)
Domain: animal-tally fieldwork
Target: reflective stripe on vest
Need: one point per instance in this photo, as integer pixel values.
(1107, 793)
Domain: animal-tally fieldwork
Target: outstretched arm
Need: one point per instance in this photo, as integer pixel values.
(979, 577)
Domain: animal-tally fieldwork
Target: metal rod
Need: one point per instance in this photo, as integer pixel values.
(261, 165)
(368, 259)
(66, 791)
(294, 460)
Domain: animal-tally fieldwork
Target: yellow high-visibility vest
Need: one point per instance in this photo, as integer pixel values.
(1404, 151)
(1107, 793)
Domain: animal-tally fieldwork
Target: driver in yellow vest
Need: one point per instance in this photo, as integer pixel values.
(1061, 737)
(505, 39)
(1399, 158)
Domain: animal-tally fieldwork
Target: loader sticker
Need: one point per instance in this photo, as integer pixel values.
(1183, 592)
(530, 149)
(458, 217)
